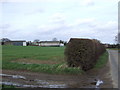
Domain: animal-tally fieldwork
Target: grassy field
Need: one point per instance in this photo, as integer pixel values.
(51, 54)
(42, 54)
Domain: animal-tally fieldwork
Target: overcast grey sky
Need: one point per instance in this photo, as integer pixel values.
(63, 19)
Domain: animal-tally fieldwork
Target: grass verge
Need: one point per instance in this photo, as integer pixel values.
(114, 48)
(102, 60)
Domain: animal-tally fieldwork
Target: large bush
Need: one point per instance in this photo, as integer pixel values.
(83, 53)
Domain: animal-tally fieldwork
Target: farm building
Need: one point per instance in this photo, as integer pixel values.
(15, 43)
(49, 43)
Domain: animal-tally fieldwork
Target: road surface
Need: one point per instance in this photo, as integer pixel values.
(113, 58)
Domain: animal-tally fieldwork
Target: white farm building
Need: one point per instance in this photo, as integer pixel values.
(49, 43)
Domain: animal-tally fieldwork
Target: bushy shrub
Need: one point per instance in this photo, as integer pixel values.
(83, 53)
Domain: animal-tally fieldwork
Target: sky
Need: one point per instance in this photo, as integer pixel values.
(62, 19)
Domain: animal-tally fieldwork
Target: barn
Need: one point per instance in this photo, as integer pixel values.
(49, 43)
(15, 43)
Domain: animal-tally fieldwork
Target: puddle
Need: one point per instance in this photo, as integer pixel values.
(55, 86)
(33, 86)
(38, 83)
(10, 84)
(13, 76)
(26, 82)
(50, 85)
(17, 84)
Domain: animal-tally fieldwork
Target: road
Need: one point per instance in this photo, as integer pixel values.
(113, 59)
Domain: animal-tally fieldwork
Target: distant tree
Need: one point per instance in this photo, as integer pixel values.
(61, 41)
(2, 43)
(36, 40)
(65, 43)
(54, 39)
(29, 43)
(117, 38)
(5, 40)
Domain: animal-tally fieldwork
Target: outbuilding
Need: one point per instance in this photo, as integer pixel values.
(50, 43)
(16, 43)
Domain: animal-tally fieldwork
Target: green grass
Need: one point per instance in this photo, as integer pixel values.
(114, 48)
(32, 52)
(102, 60)
(37, 53)
(10, 53)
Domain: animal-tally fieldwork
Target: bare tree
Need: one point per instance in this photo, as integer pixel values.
(5, 40)
(54, 39)
(117, 38)
(36, 40)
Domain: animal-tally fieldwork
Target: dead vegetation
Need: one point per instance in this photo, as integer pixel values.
(31, 61)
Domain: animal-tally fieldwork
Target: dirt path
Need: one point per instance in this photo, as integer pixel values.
(33, 79)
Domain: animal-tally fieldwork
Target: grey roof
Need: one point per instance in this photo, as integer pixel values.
(50, 42)
(17, 41)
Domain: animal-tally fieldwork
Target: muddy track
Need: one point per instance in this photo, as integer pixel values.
(33, 79)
